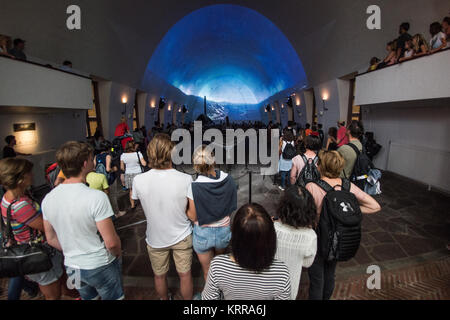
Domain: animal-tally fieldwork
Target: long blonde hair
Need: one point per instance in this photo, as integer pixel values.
(419, 39)
(203, 160)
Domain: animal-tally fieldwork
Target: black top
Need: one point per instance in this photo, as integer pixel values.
(9, 152)
(332, 146)
(214, 200)
(401, 42)
(18, 54)
(421, 43)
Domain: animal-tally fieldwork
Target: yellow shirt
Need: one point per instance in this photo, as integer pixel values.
(97, 181)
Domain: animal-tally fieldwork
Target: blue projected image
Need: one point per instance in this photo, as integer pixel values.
(233, 55)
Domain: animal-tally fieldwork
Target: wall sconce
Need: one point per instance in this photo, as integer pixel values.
(273, 108)
(124, 102)
(325, 98)
(169, 108)
(179, 110)
(298, 102)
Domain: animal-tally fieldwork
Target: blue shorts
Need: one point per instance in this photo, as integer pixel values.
(207, 238)
(54, 274)
(104, 282)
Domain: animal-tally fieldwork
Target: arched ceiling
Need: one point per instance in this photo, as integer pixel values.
(119, 37)
(227, 53)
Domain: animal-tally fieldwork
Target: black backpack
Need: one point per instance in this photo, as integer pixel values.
(309, 173)
(339, 228)
(289, 151)
(361, 168)
(116, 149)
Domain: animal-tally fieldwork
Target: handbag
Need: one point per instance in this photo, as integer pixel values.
(143, 169)
(21, 259)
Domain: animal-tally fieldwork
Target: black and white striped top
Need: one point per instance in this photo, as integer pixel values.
(227, 278)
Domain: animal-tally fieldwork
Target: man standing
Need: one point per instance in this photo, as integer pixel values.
(355, 131)
(17, 50)
(342, 138)
(122, 127)
(73, 215)
(402, 39)
(8, 150)
(162, 192)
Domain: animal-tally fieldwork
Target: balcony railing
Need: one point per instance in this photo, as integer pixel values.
(31, 84)
(423, 78)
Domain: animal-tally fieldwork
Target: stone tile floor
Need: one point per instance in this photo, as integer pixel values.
(408, 240)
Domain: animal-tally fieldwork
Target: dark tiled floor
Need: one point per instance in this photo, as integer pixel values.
(413, 222)
(412, 228)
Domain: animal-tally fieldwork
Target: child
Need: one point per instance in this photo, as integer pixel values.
(390, 59)
(409, 51)
(97, 181)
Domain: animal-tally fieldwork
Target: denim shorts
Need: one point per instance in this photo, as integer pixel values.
(207, 238)
(104, 282)
(52, 275)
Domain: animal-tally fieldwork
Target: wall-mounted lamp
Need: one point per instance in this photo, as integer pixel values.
(169, 108)
(325, 98)
(273, 108)
(124, 102)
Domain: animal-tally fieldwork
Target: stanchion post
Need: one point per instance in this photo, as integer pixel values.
(250, 186)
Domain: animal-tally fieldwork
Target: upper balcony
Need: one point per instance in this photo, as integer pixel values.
(30, 84)
(423, 80)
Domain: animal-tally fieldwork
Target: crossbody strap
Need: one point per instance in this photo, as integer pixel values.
(8, 233)
(355, 148)
(139, 160)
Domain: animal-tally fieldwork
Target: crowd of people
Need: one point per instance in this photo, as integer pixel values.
(406, 46)
(245, 253)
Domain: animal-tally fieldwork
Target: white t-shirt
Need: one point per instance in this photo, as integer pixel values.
(436, 41)
(73, 210)
(163, 195)
(131, 162)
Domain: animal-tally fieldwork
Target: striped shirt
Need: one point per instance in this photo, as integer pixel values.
(23, 212)
(227, 280)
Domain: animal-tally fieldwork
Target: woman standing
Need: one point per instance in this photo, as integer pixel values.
(438, 38)
(212, 199)
(322, 272)
(251, 271)
(420, 46)
(132, 163)
(285, 163)
(4, 47)
(332, 139)
(296, 240)
(27, 223)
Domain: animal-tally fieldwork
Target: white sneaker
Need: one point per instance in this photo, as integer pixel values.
(281, 188)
